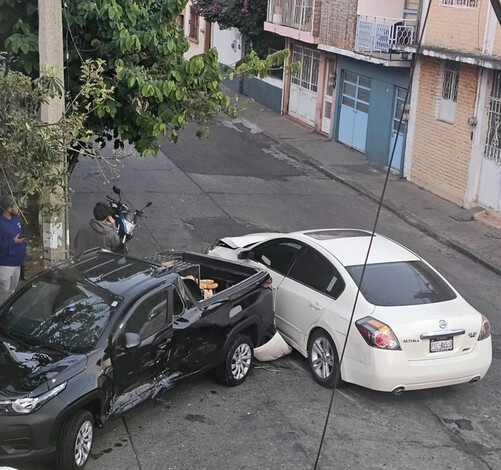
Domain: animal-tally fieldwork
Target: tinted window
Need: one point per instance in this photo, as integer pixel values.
(403, 283)
(150, 316)
(57, 311)
(279, 256)
(317, 272)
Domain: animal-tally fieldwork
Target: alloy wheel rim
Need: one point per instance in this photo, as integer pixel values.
(322, 358)
(83, 443)
(241, 361)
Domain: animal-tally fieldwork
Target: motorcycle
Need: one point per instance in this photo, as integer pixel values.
(125, 219)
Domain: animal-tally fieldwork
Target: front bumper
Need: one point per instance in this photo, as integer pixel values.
(32, 436)
(390, 370)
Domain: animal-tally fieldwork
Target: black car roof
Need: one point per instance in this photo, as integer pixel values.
(118, 274)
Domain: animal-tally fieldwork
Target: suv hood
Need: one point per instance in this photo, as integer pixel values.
(27, 372)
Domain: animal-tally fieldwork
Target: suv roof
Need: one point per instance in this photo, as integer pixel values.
(116, 273)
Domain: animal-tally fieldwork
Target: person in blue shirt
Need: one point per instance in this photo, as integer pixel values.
(12, 247)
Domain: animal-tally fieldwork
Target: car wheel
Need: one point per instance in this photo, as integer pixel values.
(75, 441)
(237, 362)
(323, 358)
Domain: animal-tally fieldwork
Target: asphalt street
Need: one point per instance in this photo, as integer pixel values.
(234, 183)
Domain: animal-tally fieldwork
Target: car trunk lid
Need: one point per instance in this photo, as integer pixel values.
(436, 330)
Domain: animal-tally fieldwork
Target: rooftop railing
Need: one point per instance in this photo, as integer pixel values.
(297, 14)
(378, 36)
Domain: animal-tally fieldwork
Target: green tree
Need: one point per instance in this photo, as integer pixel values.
(30, 150)
(155, 90)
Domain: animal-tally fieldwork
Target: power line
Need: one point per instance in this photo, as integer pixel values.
(380, 205)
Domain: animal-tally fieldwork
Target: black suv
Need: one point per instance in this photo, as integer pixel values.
(97, 335)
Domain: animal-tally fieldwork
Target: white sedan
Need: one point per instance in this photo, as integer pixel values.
(411, 329)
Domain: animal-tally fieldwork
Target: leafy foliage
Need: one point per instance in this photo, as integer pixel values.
(156, 91)
(30, 150)
(246, 15)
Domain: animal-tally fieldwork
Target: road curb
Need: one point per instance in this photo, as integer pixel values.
(302, 157)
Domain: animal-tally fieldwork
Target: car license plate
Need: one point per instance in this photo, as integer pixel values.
(441, 344)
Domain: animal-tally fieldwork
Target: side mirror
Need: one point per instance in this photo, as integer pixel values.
(116, 189)
(132, 340)
(247, 254)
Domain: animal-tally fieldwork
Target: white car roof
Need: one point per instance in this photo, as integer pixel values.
(350, 246)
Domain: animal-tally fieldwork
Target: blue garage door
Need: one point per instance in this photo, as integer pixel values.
(354, 114)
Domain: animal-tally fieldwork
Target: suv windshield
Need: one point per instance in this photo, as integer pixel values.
(401, 283)
(58, 312)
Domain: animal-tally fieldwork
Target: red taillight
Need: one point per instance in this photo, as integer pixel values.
(268, 284)
(377, 334)
(485, 329)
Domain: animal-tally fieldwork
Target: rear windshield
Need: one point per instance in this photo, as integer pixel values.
(402, 283)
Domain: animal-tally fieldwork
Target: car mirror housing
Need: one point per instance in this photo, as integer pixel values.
(247, 254)
(132, 340)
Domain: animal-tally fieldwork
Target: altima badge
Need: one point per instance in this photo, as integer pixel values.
(442, 324)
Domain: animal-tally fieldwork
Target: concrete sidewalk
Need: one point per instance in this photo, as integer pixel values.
(443, 220)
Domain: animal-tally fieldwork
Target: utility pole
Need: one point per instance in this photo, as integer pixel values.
(50, 44)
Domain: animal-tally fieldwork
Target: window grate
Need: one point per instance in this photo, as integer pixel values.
(307, 77)
(194, 23)
(451, 81)
(492, 150)
(461, 3)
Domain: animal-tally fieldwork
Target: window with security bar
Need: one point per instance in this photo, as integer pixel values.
(492, 149)
(449, 97)
(309, 59)
(461, 3)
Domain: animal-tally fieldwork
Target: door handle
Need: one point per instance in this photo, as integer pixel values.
(316, 306)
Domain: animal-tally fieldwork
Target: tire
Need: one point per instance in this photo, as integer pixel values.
(75, 441)
(237, 362)
(323, 358)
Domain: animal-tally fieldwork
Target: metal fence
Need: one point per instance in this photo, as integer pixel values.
(379, 35)
(297, 14)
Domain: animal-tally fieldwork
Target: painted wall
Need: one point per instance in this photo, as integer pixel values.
(442, 151)
(267, 91)
(228, 43)
(197, 46)
(381, 108)
(386, 8)
(456, 28)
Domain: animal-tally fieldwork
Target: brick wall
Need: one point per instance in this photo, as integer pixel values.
(457, 28)
(338, 23)
(317, 12)
(441, 154)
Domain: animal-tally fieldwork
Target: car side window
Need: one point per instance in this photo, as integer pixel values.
(317, 272)
(278, 255)
(149, 316)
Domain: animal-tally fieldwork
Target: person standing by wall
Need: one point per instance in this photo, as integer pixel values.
(12, 246)
(100, 232)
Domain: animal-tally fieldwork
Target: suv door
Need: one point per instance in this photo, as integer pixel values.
(311, 285)
(151, 320)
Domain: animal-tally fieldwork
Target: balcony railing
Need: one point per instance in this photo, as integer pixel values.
(378, 36)
(297, 14)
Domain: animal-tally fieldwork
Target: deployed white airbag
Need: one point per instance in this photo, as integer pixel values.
(276, 347)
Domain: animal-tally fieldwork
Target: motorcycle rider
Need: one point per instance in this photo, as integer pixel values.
(100, 232)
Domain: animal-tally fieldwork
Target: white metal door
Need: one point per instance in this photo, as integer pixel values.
(489, 192)
(304, 85)
(398, 136)
(330, 85)
(354, 114)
